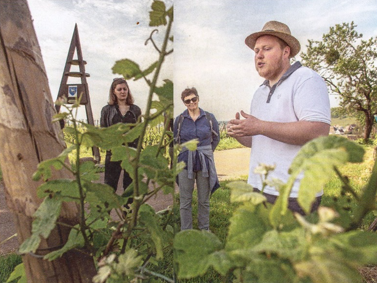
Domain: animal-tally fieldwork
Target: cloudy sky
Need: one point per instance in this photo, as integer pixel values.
(209, 49)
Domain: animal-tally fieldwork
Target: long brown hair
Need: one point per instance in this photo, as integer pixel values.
(112, 97)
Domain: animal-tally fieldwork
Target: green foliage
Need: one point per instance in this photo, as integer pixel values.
(18, 275)
(7, 264)
(267, 243)
(347, 64)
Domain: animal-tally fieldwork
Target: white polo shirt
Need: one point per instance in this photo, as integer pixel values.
(300, 95)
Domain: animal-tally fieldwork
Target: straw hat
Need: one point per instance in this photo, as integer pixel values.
(279, 30)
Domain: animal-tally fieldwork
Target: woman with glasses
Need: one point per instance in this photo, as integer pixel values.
(195, 123)
(120, 109)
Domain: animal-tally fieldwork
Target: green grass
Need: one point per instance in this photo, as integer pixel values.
(7, 264)
(359, 175)
(228, 143)
(343, 121)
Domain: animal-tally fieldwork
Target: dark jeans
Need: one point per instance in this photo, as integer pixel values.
(292, 203)
(112, 174)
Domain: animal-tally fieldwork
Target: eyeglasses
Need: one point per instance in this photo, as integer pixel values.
(188, 101)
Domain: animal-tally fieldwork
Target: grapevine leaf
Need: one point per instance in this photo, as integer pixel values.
(325, 269)
(165, 93)
(267, 270)
(146, 72)
(152, 162)
(128, 263)
(243, 192)
(91, 137)
(279, 210)
(134, 133)
(190, 145)
(88, 171)
(221, 262)
(127, 68)
(357, 246)
(147, 217)
(62, 189)
(290, 245)
(45, 220)
(75, 240)
(101, 197)
(158, 15)
(44, 168)
(367, 202)
(102, 274)
(60, 116)
(247, 226)
(317, 159)
(18, 275)
(194, 252)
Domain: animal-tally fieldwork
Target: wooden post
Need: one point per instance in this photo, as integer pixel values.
(27, 137)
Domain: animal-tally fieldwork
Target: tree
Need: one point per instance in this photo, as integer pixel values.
(348, 65)
(28, 136)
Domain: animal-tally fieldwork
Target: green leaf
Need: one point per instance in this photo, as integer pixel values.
(194, 252)
(357, 246)
(190, 145)
(152, 162)
(91, 137)
(128, 262)
(158, 15)
(134, 133)
(147, 217)
(60, 116)
(289, 245)
(368, 196)
(62, 189)
(45, 220)
(146, 72)
(318, 159)
(44, 168)
(278, 213)
(18, 274)
(221, 262)
(101, 197)
(111, 136)
(243, 192)
(75, 240)
(165, 93)
(325, 269)
(88, 171)
(271, 270)
(127, 68)
(247, 226)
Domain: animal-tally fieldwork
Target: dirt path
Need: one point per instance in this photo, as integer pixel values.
(230, 164)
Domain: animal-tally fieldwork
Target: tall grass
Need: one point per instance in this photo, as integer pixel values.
(7, 264)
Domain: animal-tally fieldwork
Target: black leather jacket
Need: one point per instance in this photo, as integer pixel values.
(109, 111)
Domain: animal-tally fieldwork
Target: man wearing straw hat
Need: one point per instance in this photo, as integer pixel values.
(290, 108)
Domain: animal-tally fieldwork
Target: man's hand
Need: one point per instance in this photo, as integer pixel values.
(250, 126)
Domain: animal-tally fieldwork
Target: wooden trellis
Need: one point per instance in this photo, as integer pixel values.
(73, 91)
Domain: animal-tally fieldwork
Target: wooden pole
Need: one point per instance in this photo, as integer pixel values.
(27, 137)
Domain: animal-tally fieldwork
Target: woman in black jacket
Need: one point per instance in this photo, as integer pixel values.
(120, 109)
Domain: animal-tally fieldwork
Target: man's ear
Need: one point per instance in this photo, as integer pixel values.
(287, 51)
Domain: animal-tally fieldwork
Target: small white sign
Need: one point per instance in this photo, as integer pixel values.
(72, 91)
